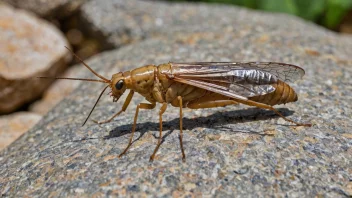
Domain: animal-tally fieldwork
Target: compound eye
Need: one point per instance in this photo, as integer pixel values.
(119, 85)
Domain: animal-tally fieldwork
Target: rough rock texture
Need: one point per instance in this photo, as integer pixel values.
(14, 125)
(48, 8)
(29, 47)
(236, 150)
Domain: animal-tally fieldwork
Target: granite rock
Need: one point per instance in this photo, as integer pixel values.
(237, 150)
(34, 49)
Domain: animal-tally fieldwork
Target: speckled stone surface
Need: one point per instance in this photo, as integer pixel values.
(237, 150)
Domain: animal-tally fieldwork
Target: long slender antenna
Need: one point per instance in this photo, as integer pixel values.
(95, 73)
(81, 79)
(95, 104)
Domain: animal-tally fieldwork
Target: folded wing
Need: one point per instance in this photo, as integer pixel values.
(235, 78)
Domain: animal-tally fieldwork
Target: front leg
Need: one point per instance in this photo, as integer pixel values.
(124, 107)
(140, 106)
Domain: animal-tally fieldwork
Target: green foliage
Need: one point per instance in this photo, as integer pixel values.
(327, 12)
(287, 6)
(336, 10)
(311, 10)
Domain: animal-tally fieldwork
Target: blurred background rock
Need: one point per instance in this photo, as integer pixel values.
(34, 32)
(332, 14)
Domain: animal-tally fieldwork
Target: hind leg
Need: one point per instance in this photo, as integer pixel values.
(269, 107)
(179, 98)
(211, 101)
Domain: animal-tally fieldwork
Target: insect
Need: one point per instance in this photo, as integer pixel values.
(200, 85)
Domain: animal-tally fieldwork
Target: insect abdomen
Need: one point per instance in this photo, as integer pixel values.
(283, 94)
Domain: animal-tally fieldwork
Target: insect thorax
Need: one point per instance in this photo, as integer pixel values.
(143, 79)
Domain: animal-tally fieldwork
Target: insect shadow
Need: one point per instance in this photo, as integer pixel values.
(216, 120)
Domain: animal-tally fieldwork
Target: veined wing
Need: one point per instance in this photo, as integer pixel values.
(211, 87)
(242, 79)
(282, 71)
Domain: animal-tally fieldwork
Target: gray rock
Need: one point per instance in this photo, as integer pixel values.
(237, 150)
(119, 22)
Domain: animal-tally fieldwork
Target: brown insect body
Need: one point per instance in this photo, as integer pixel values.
(283, 94)
(153, 82)
(170, 83)
(201, 85)
(156, 84)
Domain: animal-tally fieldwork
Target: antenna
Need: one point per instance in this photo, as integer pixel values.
(81, 79)
(90, 69)
(95, 104)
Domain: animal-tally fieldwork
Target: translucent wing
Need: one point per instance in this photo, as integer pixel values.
(211, 87)
(285, 72)
(242, 79)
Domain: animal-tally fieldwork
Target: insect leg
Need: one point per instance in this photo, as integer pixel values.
(124, 107)
(211, 104)
(179, 98)
(264, 106)
(140, 106)
(210, 101)
(161, 112)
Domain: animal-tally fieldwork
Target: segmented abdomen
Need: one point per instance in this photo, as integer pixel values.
(283, 94)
